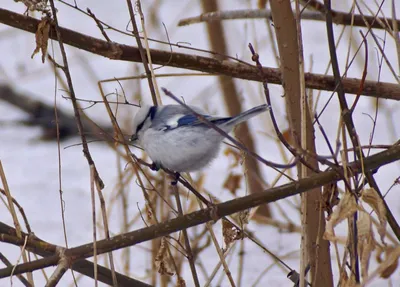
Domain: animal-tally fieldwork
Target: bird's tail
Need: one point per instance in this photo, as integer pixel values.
(247, 115)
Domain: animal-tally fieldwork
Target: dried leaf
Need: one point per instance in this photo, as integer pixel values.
(230, 233)
(346, 208)
(232, 183)
(391, 267)
(366, 241)
(161, 261)
(42, 37)
(372, 198)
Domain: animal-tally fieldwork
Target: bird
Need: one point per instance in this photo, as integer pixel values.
(176, 139)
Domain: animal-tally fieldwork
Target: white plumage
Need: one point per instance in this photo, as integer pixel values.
(175, 139)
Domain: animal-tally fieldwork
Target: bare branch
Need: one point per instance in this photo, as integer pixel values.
(122, 52)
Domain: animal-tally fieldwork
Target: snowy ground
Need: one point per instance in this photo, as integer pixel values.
(31, 165)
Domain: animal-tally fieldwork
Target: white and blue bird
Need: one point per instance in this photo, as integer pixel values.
(174, 138)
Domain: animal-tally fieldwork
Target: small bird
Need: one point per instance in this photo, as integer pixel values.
(175, 139)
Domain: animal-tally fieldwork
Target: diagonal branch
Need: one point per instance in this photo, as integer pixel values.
(209, 214)
(122, 52)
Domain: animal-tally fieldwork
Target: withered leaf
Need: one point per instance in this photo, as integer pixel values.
(42, 38)
(366, 241)
(230, 233)
(346, 207)
(391, 266)
(161, 261)
(372, 198)
(232, 182)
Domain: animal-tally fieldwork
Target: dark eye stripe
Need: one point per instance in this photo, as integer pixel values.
(151, 114)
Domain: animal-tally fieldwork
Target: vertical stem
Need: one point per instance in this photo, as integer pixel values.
(185, 235)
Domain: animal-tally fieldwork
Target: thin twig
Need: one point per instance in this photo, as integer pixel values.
(135, 33)
(65, 69)
(93, 197)
(189, 252)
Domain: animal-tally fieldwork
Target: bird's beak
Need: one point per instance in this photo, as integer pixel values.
(133, 138)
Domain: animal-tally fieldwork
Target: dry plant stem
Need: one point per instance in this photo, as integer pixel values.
(20, 277)
(238, 70)
(217, 267)
(125, 214)
(14, 216)
(62, 209)
(396, 34)
(142, 52)
(213, 213)
(232, 101)
(21, 210)
(72, 93)
(301, 127)
(241, 264)
(348, 120)
(340, 18)
(62, 267)
(222, 255)
(93, 197)
(153, 76)
(45, 249)
(305, 133)
(106, 230)
(189, 252)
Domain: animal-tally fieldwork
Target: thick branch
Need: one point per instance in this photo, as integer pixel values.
(122, 52)
(339, 18)
(210, 214)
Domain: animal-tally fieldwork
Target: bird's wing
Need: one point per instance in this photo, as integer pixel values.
(174, 116)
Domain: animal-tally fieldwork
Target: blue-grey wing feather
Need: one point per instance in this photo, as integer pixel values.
(165, 113)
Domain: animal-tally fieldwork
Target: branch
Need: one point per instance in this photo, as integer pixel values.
(209, 214)
(122, 52)
(85, 267)
(339, 18)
